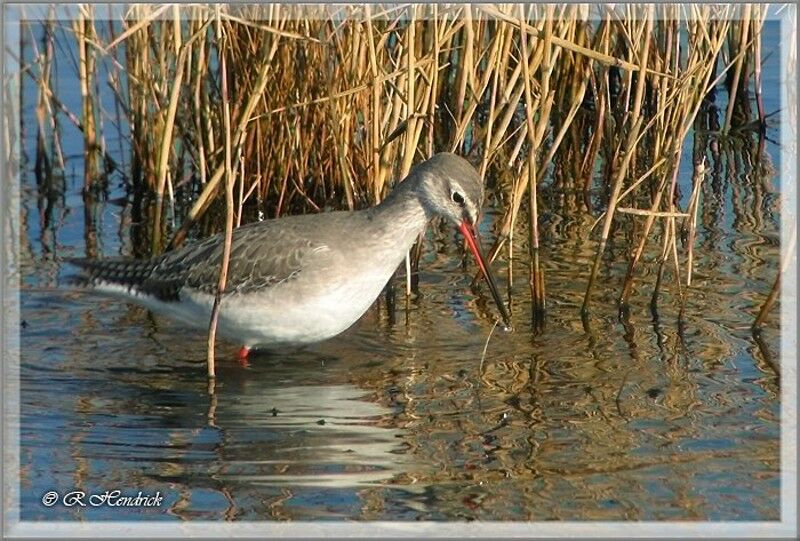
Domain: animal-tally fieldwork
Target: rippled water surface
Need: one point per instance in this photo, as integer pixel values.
(400, 418)
(397, 419)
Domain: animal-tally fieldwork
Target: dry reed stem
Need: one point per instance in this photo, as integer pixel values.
(410, 132)
(758, 21)
(465, 66)
(375, 109)
(84, 31)
(675, 262)
(694, 207)
(789, 255)
(594, 55)
(744, 24)
(686, 109)
(230, 179)
(141, 24)
(206, 197)
(653, 213)
(623, 168)
(535, 134)
(165, 148)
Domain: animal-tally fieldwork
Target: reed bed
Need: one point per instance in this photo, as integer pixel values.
(238, 113)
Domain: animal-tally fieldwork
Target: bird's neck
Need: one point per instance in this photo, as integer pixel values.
(402, 214)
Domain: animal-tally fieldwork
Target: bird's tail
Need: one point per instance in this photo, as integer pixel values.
(117, 271)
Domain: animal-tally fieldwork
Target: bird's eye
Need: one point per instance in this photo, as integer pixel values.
(458, 198)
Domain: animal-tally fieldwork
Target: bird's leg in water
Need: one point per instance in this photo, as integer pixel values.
(243, 355)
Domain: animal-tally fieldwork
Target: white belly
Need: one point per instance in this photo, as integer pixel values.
(281, 315)
(277, 318)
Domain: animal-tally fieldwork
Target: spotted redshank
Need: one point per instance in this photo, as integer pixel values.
(301, 279)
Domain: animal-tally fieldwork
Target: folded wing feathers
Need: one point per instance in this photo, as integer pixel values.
(252, 267)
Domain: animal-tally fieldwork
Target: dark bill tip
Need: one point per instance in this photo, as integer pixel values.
(472, 241)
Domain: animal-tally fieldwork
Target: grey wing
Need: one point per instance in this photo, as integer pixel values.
(261, 256)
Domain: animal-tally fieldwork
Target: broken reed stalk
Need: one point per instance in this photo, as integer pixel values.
(694, 206)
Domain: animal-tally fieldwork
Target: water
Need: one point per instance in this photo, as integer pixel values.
(401, 418)
(392, 421)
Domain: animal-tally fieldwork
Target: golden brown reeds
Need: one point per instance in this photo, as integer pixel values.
(295, 108)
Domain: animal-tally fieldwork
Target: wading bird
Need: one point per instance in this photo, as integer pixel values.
(301, 279)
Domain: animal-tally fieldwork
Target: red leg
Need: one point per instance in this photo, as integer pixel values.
(242, 357)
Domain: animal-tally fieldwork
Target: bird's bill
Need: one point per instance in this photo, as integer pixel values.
(472, 240)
